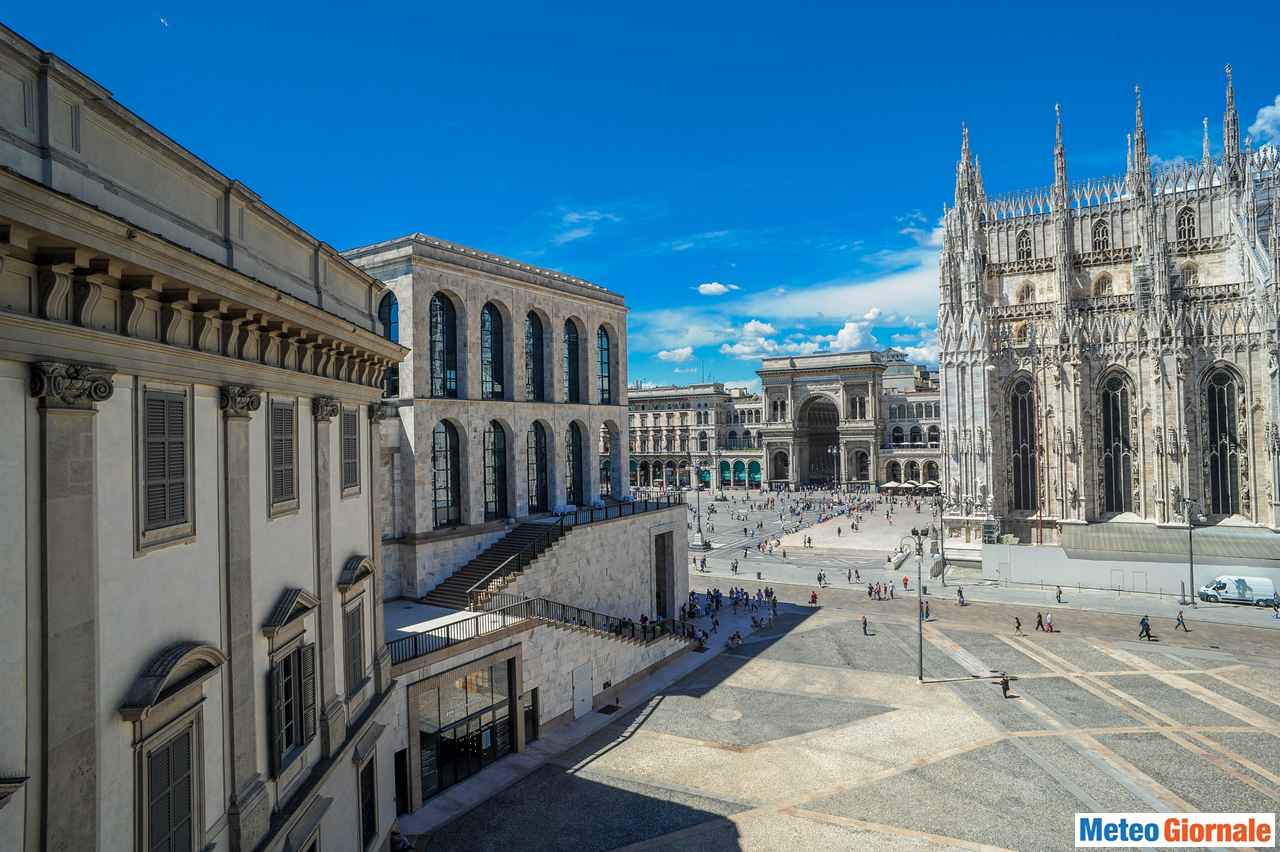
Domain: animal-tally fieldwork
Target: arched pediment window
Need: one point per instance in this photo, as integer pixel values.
(1186, 224)
(1024, 245)
(1102, 285)
(1101, 235)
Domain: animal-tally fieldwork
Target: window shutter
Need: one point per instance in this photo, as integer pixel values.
(170, 824)
(350, 449)
(176, 415)
(287, 445)
(275, 727)
(281, 452)
(158, 781)
(154, 479)
(308, 692)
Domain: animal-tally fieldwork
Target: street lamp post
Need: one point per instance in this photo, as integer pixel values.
(700, 541)
(1186, 504)
(834, 452)
(917, 538)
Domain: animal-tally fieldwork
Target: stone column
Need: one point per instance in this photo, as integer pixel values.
(382, 655)
(67, 393)
(249, 812)
(333, 712)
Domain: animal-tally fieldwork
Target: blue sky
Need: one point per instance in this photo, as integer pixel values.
(753, 178)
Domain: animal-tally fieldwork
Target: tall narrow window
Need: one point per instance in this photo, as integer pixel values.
(1022, 416)
(1102, 286)
(573, 473)
(602, 370)
(1190, 275)
(491, 353)
(1117, 449)
(1024, 245)
(536, 448)
(1221, 394)
(368, 804)
(1101, 235)
(350, 441)
(292, 700)
(495, 472)
(353, 650)
(283, 447)
(164, 464)
(572, 366)
(445, 476)
(702, 442)
(444, 348)
(1026, 293)
(170, 794)
(389, 316)
(534, 375)
(1186, 224)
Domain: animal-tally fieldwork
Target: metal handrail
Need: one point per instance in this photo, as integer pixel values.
(522, 557)
(455, 632)
(625, 628)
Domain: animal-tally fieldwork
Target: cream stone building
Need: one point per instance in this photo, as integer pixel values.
(1109, 351)
(911, 447)
(517, 566)
(707, 428)
(189, 540)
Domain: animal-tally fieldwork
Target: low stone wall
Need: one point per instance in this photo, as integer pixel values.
(609, 566)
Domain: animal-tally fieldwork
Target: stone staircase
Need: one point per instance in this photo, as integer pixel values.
(526, 542)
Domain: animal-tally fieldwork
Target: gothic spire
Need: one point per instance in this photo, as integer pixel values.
(977, 179)
(964, 168)
(1141, 160)
(1204, 144)
(1059, 160)
(1230, 123)
(1128, 156)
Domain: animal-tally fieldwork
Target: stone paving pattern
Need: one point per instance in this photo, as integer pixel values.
(812, 736)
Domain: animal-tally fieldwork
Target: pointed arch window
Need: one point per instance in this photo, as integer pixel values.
(444, 347)
(1190, 275)
(1186, 224)
(1022, 434)
(572, 366)
(602, 370)
(491, 353)
(389, 317)
(1221, 396)
(1101, 235)
(1024, 245)
(702, 442)
(1026, 293)
(536, 447)
(534, 367)
(446, 472)
(1102, 286)
(1117, 445)
(573, 473)
(495, 471)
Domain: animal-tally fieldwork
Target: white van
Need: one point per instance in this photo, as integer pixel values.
(1228, 587)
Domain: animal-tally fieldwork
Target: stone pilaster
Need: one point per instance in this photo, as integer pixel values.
(249, 812)
(68, 394)
(382, 655)
(333, 712)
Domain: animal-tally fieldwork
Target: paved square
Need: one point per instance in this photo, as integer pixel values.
(811, 735)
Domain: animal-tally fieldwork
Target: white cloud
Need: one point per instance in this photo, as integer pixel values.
(684, 369)
(872, 315)
(851, 336)
(1266, 125)
(573, 217)
(715, 288)
(678, 356)
(572, 235)
(756, 328)
(697, 240)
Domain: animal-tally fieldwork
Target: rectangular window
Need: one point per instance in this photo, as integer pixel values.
(283, 446)
(170, 796)
(354, 649)
(349, 434)
(293, 705)
(368, 805)
(164, 463)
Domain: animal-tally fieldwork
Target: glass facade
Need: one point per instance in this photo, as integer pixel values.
(464, 724)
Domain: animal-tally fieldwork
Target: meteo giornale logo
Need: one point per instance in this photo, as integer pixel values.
(1173, 830)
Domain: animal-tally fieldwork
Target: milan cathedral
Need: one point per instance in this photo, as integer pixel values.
(1108, 348)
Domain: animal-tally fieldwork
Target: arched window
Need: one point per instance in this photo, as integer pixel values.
(491, 354)
(572, 366)
(1024, 245)
(894, 472)
(746, 439)
(917, 437)
(495, 472)
(536, 467)
(446, 489)
(935, 436)
(1102, 285)
(898, 435)
(389, 317)
(913, 472)
(1101, 235)
(1117, 446)
(1221, 395)
(1026, 293)
(1190, 275)
(573, 472)
(759, 440)
(602, 371)
(1022, 416)
(861, 466)
(1186, 224)
(702, 442)
(931, 471)
(534, 367)
(444, 347)
(684, 442)
(732, 440)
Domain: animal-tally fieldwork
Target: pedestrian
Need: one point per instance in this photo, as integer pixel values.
(857, 578)
(1181, 623)
(1004, 684)
(891, 591)
(904, 582)
(1059, 594)
(1039, 621)
(864, 626)
(813, 599)
(849, 576)
(1017, 626)
(1048, 622)
(926, 610)
(1144, 628)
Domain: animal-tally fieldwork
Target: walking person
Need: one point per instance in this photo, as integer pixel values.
(864, 626)
(1004, 684)
(1017, 626)
(926, 610)
(1182, 622)
(1144, 628)
(1039, 621)
(1048, 622)
(1059, 595)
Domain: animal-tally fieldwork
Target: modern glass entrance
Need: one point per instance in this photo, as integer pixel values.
(464, 725)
